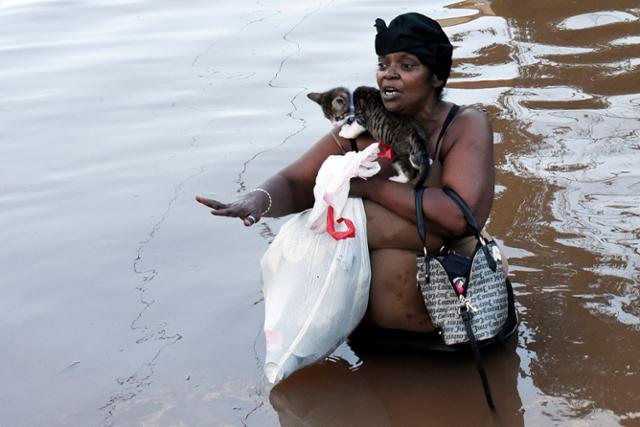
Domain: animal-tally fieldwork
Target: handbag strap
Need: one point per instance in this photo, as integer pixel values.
(466, 211)
(471, 220)
(422, 231)
(468, 216)
(466, 319)
(466, 315)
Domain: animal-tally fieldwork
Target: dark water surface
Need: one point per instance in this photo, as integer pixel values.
(124, 303)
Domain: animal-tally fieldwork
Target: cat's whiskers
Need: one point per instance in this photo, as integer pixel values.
(340, 123)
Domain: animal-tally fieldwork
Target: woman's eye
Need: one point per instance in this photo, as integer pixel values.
(382, 66)
(407, 66)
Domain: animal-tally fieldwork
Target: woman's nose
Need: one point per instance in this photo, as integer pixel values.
(391, 72)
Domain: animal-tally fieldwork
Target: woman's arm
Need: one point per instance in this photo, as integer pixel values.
(289, 191)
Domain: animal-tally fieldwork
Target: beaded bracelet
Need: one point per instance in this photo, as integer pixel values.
(262, 190)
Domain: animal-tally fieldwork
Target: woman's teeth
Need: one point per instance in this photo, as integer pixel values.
(390, 93)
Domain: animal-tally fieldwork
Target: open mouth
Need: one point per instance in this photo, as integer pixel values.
(389, 92)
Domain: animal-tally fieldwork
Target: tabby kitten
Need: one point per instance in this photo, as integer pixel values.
(406, 138)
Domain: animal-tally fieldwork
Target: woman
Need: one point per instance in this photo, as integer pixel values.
(414, 64)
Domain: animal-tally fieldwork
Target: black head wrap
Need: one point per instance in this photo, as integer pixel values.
(417, 34)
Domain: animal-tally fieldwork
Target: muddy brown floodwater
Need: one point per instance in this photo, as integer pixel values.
(124, 303)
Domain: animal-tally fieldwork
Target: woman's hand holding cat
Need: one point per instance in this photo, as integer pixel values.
(359, 187)
(247, 208)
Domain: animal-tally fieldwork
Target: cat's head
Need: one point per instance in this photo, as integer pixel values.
(334, 104)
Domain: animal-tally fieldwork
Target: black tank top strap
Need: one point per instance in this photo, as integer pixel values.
(452, 114)
(436, 154)
(447, 121)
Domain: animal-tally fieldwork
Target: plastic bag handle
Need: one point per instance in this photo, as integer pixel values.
(331, 226)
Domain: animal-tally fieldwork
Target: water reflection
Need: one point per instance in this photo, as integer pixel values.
(401, 389)
(574, 123)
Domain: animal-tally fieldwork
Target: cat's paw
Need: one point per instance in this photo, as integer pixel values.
(401, 177)
(417, 162)
(351, 130)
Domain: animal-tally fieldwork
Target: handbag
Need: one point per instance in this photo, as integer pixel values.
(453, 284)
(468, 298)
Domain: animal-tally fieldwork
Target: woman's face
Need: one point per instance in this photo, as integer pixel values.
(405, 83)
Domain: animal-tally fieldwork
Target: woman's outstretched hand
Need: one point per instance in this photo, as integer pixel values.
(247, 209)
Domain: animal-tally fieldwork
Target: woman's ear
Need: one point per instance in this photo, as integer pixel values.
(436, 81)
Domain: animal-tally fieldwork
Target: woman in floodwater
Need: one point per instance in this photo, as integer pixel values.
(414, 62)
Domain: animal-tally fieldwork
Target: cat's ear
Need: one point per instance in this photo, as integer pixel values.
(315, 97)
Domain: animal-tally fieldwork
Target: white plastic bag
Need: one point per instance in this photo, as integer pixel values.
(316, 288)
(332, 182)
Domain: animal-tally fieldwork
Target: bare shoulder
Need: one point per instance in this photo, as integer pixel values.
(471, 127)
(471, 119)
(470, 143)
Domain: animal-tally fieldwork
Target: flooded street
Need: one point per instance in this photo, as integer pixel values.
(124, 303)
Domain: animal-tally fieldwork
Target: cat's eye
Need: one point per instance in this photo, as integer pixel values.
(340, 101)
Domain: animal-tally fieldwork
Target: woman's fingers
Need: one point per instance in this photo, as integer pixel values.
(237, 209)
(213, 204)
(219, 208)
(357, 187)
(241, 212)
